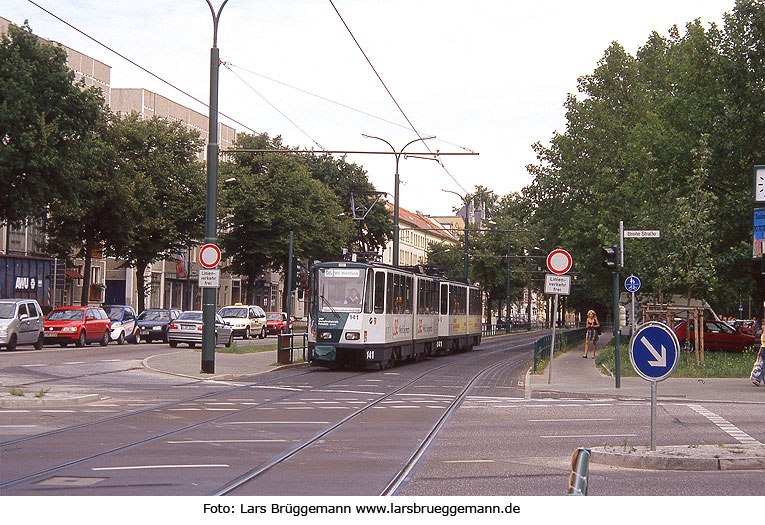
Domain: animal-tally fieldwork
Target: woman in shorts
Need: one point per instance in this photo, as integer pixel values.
(592, 334)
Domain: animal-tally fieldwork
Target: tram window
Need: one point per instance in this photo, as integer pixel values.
(389, 288)
(444, 299)
(379, 292)
(407, 295)
(368, 294)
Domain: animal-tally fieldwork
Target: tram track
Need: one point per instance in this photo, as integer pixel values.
(278, 382)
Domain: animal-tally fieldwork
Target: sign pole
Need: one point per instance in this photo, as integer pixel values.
(653, 415)
(552, 342)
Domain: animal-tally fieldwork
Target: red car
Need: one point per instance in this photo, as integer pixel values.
(77, 324)
(276, 323)
(717, 336)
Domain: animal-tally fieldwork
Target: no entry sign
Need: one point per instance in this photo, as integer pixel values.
(559, 262)
(209, 256)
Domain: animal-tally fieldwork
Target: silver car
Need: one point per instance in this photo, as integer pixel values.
(187, 328)
(21, 323)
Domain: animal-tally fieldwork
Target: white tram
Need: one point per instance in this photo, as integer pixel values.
(371, 313)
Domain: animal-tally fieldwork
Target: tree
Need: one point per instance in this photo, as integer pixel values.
(272, 195)
(44, 124)
(169, 186)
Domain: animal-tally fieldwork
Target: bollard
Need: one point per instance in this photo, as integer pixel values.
(580, 467)
(284, 349)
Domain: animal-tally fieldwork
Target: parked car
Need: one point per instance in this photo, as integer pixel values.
(153, 324)
(21, 323)
(77, 324)
(124, 326)
(187, 328)
(717, 336)
(276, 323)
(246, 321)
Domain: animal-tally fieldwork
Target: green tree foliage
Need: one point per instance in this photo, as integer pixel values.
(45, 124)
(272, 195)
(169, 191)
(665, 139)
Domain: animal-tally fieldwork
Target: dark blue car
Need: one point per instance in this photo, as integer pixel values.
(153, 323)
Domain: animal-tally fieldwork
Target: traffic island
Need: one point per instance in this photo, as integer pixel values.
(683, 457)
(31, 399)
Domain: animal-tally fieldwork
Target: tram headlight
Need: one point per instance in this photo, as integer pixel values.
(352, 336)
(325, 335)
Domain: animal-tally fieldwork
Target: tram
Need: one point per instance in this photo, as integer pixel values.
(368, 313)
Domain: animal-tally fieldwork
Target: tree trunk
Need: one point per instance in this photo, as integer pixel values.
(140, 269)
(85, 295)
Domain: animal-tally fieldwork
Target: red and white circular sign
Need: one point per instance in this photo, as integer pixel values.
(559, 261)
(209, 256)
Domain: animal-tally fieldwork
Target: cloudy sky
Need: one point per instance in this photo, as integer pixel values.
(488, 76)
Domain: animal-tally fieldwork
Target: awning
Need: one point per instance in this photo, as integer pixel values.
(72, 273)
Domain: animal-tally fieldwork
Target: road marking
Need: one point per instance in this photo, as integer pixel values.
(140, 467)
(226, 441)
(470, 461)
(277, 423)
(567, 419)
(589, 436)
(18, 426)
(724, 425)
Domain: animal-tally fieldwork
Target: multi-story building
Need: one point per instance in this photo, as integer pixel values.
(416, 233)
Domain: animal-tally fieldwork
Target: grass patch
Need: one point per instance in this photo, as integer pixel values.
(16, 392)
(242, 348)
(716, 364)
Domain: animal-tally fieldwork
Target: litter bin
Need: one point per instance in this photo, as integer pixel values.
(284, 350)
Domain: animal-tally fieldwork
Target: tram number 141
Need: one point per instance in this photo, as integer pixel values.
(370, 355)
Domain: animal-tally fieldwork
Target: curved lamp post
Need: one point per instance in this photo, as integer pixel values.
(397, 154)
(211, 207)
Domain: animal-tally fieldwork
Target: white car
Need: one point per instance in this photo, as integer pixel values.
(246, 321)
(21, 322)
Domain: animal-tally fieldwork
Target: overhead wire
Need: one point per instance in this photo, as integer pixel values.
(173, 86)
(366, 57)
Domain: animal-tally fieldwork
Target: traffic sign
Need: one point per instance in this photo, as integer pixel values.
(209, 278)
(632, 284)
(642, 234)
(559, 261)
(654, 351)
(557, 284)
(209, 256)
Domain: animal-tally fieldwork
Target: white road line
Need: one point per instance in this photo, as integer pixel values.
(567, 419)
(277, 423)
(589, 436)
(140, 467)
(18, 426)
(226, 441)
(724, 425)
(470, 461)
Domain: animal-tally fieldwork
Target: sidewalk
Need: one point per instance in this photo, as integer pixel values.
(188, 363)
(573, 376)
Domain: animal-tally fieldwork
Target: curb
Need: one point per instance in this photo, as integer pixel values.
(55, 400)
(684, 458)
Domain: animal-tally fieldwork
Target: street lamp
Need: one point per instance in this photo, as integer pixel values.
(465, 201)
(397, 154)
(211, 205)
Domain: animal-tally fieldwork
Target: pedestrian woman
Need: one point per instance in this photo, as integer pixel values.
(593, 329)
(757, 370)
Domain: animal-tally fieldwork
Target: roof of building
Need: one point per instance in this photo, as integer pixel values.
(424, 223)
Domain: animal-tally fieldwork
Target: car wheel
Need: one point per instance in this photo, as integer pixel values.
(137, 338)
(81, 339)
(121, 338)
(105, 339)
(263, 333)
(172, 344)
(247, 333)
(40, 341)
(12, 343)
(230, 339)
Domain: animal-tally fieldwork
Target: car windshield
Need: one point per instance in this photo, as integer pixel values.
(274, 317)
(190, 316)
(340, 289)
(114, 312)
(65, 315)
(6, 310)
(154, 315)
(239, 312)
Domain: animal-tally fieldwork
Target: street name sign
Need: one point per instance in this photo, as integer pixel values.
(632, 284)
(557, 284)
(654, 351)
(209, 256)
(209, 278)
(642, 234)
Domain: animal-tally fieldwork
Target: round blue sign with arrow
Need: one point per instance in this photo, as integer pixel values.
(654, 351)
(632, 284)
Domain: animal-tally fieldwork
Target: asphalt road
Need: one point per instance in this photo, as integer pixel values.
(159, 434)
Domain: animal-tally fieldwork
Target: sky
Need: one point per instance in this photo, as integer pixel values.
(485, 76)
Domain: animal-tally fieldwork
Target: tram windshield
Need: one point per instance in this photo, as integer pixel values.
(341, 289)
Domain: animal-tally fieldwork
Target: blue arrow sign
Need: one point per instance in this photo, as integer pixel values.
(632, 284)
(654, 351)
